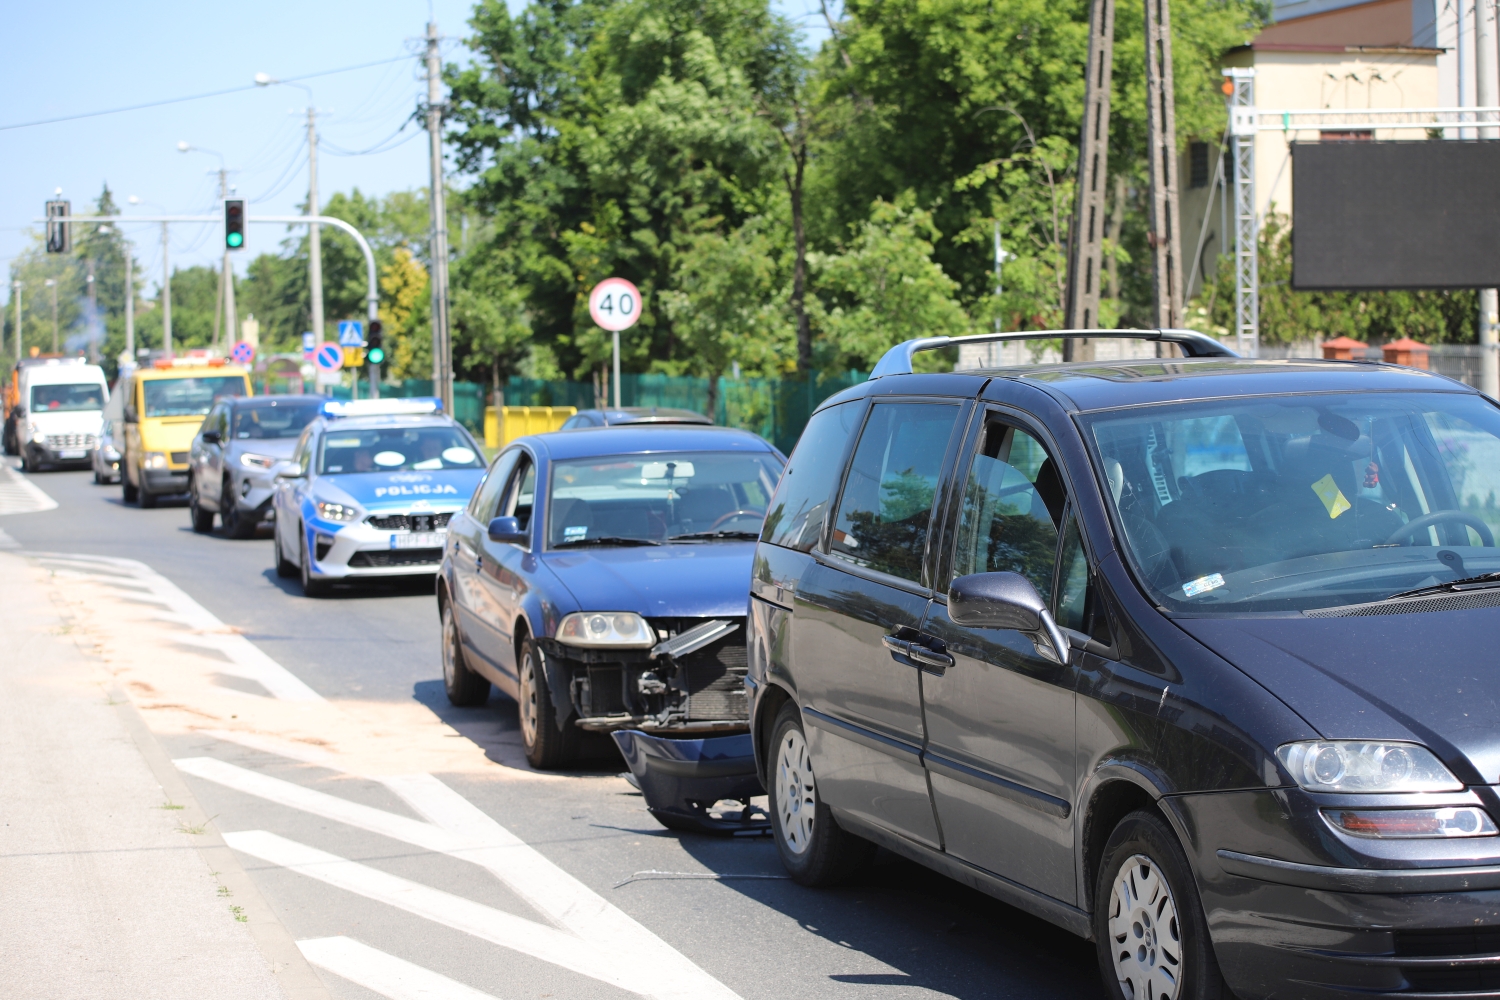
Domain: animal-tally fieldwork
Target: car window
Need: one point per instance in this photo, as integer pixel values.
(482, 505)
(886, 508)
(270, 419)
(395, 449)
(302, 457)
(189, 397)
(82, 396)
(800, 506)
(521, 493)
(1012, 505)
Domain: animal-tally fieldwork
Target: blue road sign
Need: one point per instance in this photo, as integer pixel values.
(309, 344)
(329, 357)
(351, 333)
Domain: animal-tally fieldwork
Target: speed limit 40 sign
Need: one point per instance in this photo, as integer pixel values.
(615, 304)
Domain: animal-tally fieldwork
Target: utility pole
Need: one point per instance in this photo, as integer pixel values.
(1085, 249)
(52, 284)
(1166, 243)
(442, 359)
(1239, 88)
(314, 242)
(93, 313)
(129, 302)
(18, 285)
(166, 296)
(1489, 301)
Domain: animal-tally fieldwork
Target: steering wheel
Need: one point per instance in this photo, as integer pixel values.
(734, 514)
(1438, 517)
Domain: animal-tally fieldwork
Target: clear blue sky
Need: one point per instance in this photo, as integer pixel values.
(72, 56)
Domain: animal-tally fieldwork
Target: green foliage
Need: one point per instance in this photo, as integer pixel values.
(1287, 315)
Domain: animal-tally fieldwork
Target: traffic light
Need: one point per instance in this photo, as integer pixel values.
(234, 223)
(374, 353)
(59, 234)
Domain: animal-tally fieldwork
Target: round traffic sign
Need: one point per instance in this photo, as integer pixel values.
(242, 353)
(615, 304)
(329, 356)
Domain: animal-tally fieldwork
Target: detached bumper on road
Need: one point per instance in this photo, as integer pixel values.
(682, 779)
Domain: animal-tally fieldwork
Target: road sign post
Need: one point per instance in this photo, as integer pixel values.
(615, 305)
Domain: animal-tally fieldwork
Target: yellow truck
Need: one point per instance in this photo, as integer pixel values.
(163, 408)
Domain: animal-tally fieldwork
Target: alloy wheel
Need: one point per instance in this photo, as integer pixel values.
(529, 708)
(796, 792)
(1144, 932)
(450, 642)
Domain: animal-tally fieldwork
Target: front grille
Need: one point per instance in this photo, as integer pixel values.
(385, 558)
(409, 522)
(179, 458)
(59, 442)
(1460, 942)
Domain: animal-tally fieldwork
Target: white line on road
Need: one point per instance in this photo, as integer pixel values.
(463, 831)
(19, 495)
(484, 922)
(246, 659)
(382, 973)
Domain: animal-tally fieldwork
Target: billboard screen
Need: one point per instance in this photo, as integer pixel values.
(1371, 215)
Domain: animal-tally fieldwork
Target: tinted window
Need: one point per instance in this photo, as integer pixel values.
(487, 497)
(272, 419)
(392, 449)
(189, 397)
(800, 505)
(1012, 502)
(1073, 594)
(522, 493)
(67, 397)
(887, 503)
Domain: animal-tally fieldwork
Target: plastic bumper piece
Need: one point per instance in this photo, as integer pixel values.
(682, 779)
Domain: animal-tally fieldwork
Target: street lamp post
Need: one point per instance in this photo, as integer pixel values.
(314, 242)
(52, 284)
(18, 285)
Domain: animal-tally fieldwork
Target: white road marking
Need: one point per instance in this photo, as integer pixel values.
(245, 658)
(460, 829)
(483, 922)
(382, 973)
(19, 495)
(7, 542)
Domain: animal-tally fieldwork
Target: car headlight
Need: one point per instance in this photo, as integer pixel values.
(1361, 766)
(336, 511)
(154, 460)
(256, 461)
(605, 628)
(1413, 824)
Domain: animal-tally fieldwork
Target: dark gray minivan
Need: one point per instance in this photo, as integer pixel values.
(1193, 656)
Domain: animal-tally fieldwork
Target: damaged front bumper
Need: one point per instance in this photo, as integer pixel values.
(691, 682)
(683, 779)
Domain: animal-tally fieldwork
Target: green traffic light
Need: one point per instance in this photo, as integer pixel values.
(235, 239)
(375, 355)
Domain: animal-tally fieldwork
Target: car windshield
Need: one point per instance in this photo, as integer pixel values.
(51, 398)
(189, 397)
(394, 449)
(682, 496)
(272, 419)
(1291, 503)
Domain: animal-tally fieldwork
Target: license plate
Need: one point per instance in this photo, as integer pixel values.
(418, 540)
(73, 453)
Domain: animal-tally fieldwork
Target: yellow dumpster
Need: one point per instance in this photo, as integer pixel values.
(504, 424)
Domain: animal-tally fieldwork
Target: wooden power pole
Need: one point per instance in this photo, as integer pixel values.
(1161, 119)
(1085, 247)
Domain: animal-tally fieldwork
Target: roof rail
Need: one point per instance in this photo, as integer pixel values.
(897, 361)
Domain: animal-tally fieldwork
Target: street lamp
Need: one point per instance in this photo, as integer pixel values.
(314, 238)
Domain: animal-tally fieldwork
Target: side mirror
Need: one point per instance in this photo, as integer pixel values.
(508, 529)
(212, 437)
(1005, 600)
(289, 472)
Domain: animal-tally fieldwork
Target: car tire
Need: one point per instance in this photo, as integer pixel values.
(464, 687)
(285, 568)
(128, 491)
(814, 848)
(203, 520)
(548, 746)
(1149, 929)
(311, 585)
(236, 524)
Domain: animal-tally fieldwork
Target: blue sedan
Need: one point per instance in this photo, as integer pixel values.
(600, 577)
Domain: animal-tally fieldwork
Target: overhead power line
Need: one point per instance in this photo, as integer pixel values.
(196, 97)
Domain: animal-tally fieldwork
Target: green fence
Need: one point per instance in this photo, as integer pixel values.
(776, 409)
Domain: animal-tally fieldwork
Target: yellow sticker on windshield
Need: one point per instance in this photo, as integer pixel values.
(1333, 498)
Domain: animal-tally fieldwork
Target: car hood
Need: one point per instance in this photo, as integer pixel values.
(672, 581)
(278, 448)
(1428, 677)
(399, 490)
(68, 421)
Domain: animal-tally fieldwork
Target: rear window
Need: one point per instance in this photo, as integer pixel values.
(189, 397)
(79, 396)
(800, 506)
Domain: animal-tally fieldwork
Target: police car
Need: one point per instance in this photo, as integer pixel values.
(370, 489)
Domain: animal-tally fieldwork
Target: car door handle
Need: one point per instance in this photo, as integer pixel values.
(917, 653)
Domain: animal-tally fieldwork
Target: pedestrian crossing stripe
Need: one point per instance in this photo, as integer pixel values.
(19, 495)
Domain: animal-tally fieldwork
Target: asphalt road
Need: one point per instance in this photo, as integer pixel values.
(896, 931)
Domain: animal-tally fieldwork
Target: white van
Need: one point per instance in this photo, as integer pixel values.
(63, 399)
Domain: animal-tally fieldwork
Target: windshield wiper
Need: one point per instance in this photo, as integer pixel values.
(749, 535)
(575, 543)
(1441, 588)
